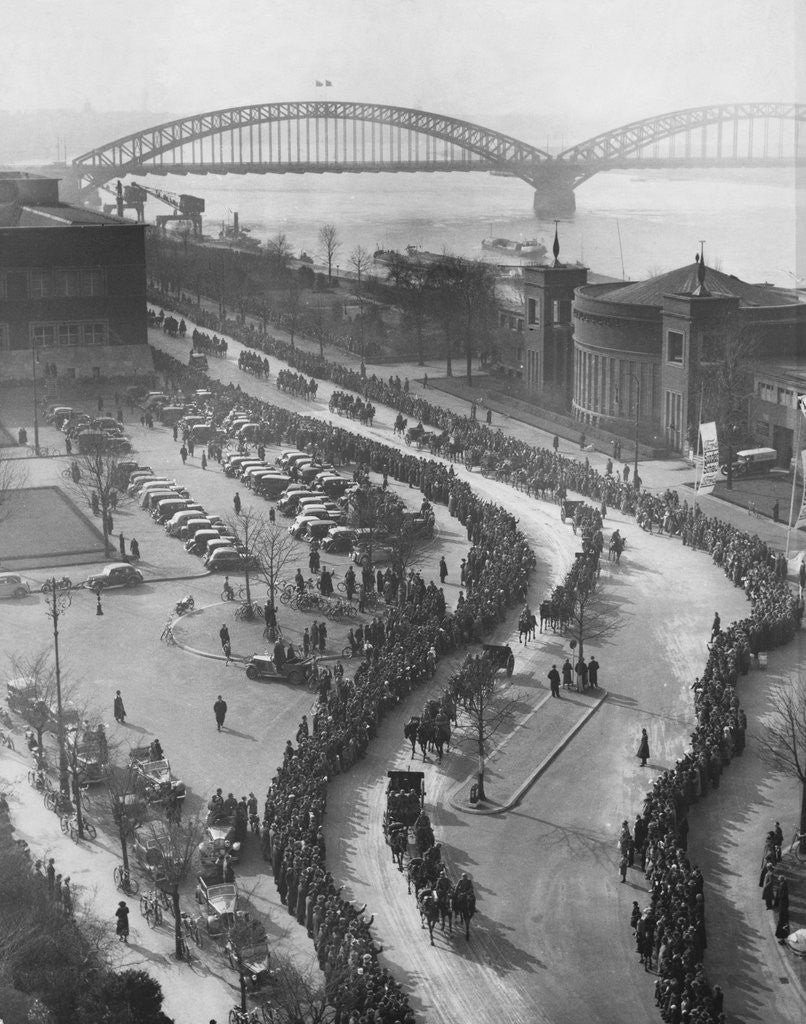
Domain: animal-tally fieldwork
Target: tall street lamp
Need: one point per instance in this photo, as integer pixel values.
(57, 602)
(637, 411)
(34, 360)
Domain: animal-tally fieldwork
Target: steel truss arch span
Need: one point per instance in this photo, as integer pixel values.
(144, 151)
(627, 142)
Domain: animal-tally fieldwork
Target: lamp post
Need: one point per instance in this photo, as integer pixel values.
(637, 412)
(57, 602)
(36, 401)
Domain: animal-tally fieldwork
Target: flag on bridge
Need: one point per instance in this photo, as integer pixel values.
(318, 84)
(328, 82)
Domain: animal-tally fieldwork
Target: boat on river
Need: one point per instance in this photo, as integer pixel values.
(532, 248)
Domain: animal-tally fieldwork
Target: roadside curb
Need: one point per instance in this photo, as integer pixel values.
(529, 781)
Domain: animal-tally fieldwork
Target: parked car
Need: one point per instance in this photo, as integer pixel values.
(154, 776)
(381, 552)
(13, 585)
(178, 520)
(57, 414)
(231, 561)
(340, 540)
(117, 574)
(218, 902)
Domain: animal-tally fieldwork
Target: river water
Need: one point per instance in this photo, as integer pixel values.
(630, 224)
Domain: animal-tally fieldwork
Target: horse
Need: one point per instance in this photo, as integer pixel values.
(546, 616)
(428, 906)
(410, 730)
(616, 548)
(464, 903)
(400, 425)
(445, 907)
(423, 833)
(399, 842)
(425, 735)
(441, 735)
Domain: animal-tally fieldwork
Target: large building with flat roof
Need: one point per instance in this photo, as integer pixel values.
(72, 287)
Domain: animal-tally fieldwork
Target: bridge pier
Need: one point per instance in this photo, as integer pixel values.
(554, 199)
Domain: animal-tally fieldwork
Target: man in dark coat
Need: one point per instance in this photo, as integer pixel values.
(554, 679)
(443, 570)
(567, 674)
(220, 711)
(593, 673)
(118, 708)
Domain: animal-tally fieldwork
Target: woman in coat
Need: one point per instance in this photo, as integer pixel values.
(643, 748)
(122, 928)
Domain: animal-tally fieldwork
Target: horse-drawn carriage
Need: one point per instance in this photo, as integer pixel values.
(569, 508)
(405, 794)
(502, 656)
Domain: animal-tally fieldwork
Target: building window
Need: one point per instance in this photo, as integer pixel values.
(561, 311)
(93, 281)
(674, 347)
(69, 334)
(5, 343)
(520, 324)
(43, 335)
(95, 334)
(40, 284)
(66, 283)
(502, 319)
(531, 312)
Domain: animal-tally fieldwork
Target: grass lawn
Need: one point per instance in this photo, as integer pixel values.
(44, 522)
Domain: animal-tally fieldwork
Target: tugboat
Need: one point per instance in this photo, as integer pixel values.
(531, 248)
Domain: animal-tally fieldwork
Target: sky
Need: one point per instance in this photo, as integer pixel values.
(564, 68)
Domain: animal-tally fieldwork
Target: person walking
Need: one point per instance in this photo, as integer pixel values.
(220, 711)
(122, 545)
(236, 503)
(322, 637)
(622, 866)
(51, 873)
(134, 547)
(204, 460)
(567, 674)
(118, 708)
(443, 570)
(554, 680)
(122, 928)
(643, 748)
(593, 673)
(226, 646)
(184, 454)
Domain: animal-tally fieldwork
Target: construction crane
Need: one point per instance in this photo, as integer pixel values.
(133, 197)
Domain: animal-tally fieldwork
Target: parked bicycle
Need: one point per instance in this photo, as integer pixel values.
(69, 823)
(151, 908)
(798, 840)
(40, 780)
(65, 583)
(168, 633)
(6, 740)
(125, 881)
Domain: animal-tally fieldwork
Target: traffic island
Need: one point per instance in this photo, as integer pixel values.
(522, 756)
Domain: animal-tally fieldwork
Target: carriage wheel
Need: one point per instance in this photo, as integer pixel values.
(510, 667)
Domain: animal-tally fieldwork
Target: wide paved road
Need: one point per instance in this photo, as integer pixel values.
(552, 942)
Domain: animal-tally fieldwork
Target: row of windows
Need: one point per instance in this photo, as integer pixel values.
(81, 332)
(514, 323)
(777, 395)
(49, 283)
(53, 335)
(560, 312)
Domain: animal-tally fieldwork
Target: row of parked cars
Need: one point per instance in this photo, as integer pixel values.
(88, 432)
(203, 533)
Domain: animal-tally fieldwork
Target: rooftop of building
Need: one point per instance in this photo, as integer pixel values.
(32, 201)
(686, 281)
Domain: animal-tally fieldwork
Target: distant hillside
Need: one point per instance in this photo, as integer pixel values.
(40, 136)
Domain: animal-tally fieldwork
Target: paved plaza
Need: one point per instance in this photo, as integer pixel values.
(552, 940)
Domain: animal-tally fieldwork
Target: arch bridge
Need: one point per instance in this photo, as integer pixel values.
(313, 137)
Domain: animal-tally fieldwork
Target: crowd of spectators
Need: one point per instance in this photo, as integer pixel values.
(671, 930)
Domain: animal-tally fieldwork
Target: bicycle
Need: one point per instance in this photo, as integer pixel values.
(168, 633)
(65, 583)
(125, 882)
(69, 823)
(249, 611)
(752, 510)
(59, 802)
(228, 593)
(6, 740)
(190, 929)
(38, 778)
(798, 837)
(239, 1016)
(185, 953)
(151, 908)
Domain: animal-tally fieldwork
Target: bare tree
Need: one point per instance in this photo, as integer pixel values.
(413, 288)
(724, 378)
(292, 304)
(275, 549)
(374, 511)
(329, 241)
(483, 711)
(249, 528)
(97, 483)
(464, 301)
(783, 738)
(361, 261)
(126, 804)
(590, 618)
(13, 477)
(35, 675)
(279, 250)
(177, 843)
